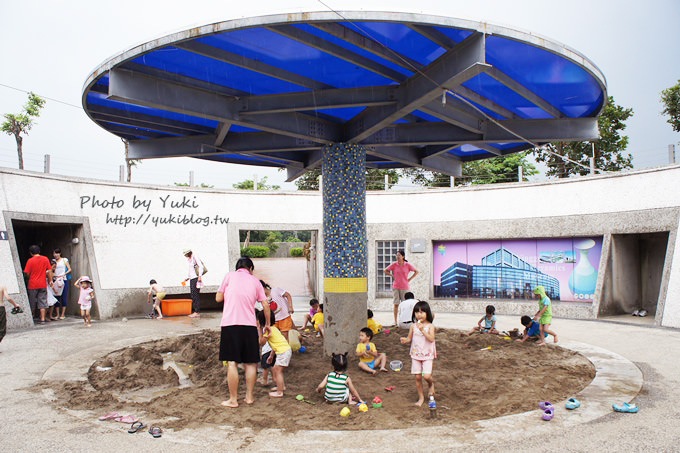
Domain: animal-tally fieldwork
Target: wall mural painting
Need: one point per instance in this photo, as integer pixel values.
(511, 269)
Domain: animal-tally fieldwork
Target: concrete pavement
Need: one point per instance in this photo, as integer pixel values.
(634, 362)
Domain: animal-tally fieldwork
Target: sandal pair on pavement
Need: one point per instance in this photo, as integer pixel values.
(16, 310)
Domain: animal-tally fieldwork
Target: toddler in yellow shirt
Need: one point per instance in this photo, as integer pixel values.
(369, 359)
(282, 350)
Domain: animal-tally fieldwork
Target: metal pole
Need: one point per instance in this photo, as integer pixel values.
(671, 154)
(453, 181)
(255, 182)
(387, 182)
(520, 176)
(121, 173)
(47, 163)
(592, 165)
(191, 178)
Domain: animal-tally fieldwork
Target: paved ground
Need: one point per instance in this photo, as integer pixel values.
(630, 359)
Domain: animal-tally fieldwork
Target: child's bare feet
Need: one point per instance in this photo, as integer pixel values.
(276, 389)
(275, 394)
(419, 402)
(384, 369)
(229, 403)
(555, 339)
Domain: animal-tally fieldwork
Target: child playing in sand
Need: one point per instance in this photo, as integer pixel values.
(85, 299)
(532, 329)
(489, 320)
(423, 348)
(337, 385)
(369, 358)
(544, 315)
(280, 347)
(372, 324)
(314, 308)
(317, 321)
(158, 293)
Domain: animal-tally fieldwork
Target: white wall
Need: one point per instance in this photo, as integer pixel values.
(128, 256)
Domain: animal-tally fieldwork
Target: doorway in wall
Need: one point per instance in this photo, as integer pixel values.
(51, 235)
(633, 279)
(286, 259)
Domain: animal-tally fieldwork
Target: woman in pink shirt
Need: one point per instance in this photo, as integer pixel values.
(239, 342)
(400, 271)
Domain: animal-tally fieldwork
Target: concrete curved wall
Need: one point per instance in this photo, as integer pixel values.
(130, 233)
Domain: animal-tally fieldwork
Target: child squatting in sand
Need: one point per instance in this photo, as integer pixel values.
(337, 385)
(423, 348)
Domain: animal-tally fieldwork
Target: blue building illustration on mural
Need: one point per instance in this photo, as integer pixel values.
(501, 274)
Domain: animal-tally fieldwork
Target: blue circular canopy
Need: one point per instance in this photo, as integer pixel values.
(415, 90)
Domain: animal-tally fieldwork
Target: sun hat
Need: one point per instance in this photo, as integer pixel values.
(186, 251)
(85, 278)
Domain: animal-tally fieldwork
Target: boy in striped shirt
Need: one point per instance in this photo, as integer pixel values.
(337, 385)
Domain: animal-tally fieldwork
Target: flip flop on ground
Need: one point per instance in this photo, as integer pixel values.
(128, 419)
(109, 416)
(136, 426)
(155, 431)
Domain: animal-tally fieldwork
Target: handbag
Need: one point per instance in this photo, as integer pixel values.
(205, 269)
(68, 276)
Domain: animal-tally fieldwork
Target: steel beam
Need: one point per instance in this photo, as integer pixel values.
(319, 99)
(144, 90)
(311, 40)
(451, 69)
(367, 44)
(523, 91)
(250, 64)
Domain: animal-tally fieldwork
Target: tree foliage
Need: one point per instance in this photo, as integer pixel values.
(609, 149)
(22, 122)
(375, 179)
(484, 171)
(497, 169)
(670, 98)
(249, 184)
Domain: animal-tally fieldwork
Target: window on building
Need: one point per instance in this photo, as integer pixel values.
(384, 256)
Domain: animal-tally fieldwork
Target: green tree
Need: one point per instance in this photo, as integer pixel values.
(497, 169)
(608, 150)
(483, 171)
(375, 179)
(249, 184)
(670, 97)
(23, 122)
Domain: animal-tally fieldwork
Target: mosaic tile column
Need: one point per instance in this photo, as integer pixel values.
(344, 233)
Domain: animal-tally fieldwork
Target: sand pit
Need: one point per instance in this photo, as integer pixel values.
(471, 384)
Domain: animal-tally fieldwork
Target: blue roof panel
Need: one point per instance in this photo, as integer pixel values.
(400, 38)
(561, 82)
(178, 61)
(280, 51)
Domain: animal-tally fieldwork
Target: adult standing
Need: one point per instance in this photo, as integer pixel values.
(4, 296)
(239, 341)
(39, 271)
(63, 271)
(282, 307)
(195, 270)
(400, 272)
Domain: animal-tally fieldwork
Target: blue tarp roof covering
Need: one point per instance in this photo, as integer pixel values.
(415, 90)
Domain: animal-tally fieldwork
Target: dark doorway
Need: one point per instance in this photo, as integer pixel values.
(51, 235)
(633, 280)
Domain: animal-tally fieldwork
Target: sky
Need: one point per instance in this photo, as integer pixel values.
(51, 47)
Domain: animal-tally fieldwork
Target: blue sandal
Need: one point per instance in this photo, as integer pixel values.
(625, 407)
(572, 403)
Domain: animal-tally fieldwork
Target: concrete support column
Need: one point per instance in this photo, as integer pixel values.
(344, 236)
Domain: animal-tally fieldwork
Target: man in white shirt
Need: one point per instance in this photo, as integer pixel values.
(405, 313)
